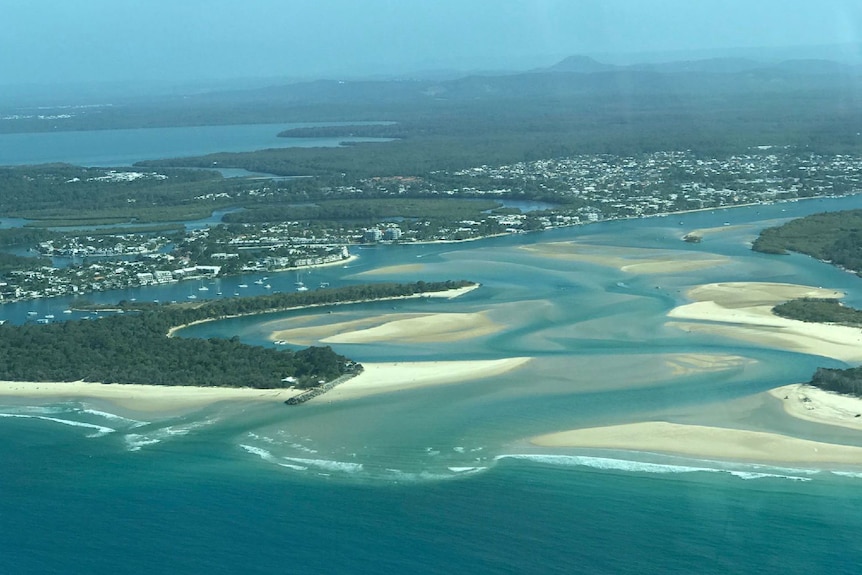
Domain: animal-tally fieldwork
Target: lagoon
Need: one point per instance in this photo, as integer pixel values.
(115, 148)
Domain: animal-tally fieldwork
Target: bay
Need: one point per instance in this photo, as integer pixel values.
(435, 480)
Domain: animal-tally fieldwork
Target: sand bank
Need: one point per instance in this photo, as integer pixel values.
(814, 404)
(629, 259)
(388, 377)
(682, 364)
(439, 327)
(393, 270)
(743, 310)
(141, 397)
(705, 442)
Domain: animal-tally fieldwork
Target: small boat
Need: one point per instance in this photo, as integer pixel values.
(42, 320)
(243, 285)
(203, 288)
(192, 296)
(32, 313)
(49, 316)
(301, 287)
(258, 282)
(267, 286)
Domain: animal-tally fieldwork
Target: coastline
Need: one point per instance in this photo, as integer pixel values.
(743, 311)
(704, 442)
(143, 398)
(816, 405)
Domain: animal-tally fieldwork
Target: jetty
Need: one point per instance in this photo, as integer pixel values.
(323, 388)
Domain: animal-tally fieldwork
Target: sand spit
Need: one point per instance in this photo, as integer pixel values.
(389, 377)
(705, 442)
(743, 310)
(141, 397)
(819, 406)
(629, 259)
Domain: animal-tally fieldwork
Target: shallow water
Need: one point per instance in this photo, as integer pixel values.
(440, 479)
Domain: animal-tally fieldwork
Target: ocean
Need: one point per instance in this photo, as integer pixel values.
(443, 479)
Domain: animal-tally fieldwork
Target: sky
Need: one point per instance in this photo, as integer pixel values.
(61, 41)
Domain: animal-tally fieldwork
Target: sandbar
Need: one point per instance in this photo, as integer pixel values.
(629, 259)
(138, 397)
(394, 270)
(398, 376)
(811, 403)
(438, 327)
(743, 310)
(705, 442)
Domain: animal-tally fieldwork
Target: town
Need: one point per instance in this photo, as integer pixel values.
(522, 197)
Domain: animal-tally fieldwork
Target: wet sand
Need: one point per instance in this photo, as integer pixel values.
(629, 259)
(705, 442)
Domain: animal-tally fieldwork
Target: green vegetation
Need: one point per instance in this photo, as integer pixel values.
(846, 381)
(61, 194)
(818, 310)
(835, 237)
(369, 211)
(133, 347)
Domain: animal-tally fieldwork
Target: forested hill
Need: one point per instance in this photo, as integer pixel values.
(133, 347)
(834, 237)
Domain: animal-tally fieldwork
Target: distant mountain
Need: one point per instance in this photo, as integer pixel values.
(580, 65)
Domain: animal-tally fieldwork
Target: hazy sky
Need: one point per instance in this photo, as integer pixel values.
(48, 41)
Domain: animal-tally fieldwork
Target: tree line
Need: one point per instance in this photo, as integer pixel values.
(134, 348)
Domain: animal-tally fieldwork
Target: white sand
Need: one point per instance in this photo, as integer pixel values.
(141, 397)
(813, 404)
(743, 310)
(705, 442)
(388, 377)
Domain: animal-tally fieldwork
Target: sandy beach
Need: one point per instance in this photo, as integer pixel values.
(629, 259)
(814, 404)
(743, 310)
(145, 398)
(705, 442)
(398, 376)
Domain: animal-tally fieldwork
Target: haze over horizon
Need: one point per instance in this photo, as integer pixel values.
(165, 42)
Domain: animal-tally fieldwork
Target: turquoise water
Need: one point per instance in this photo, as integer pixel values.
(441, 480)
